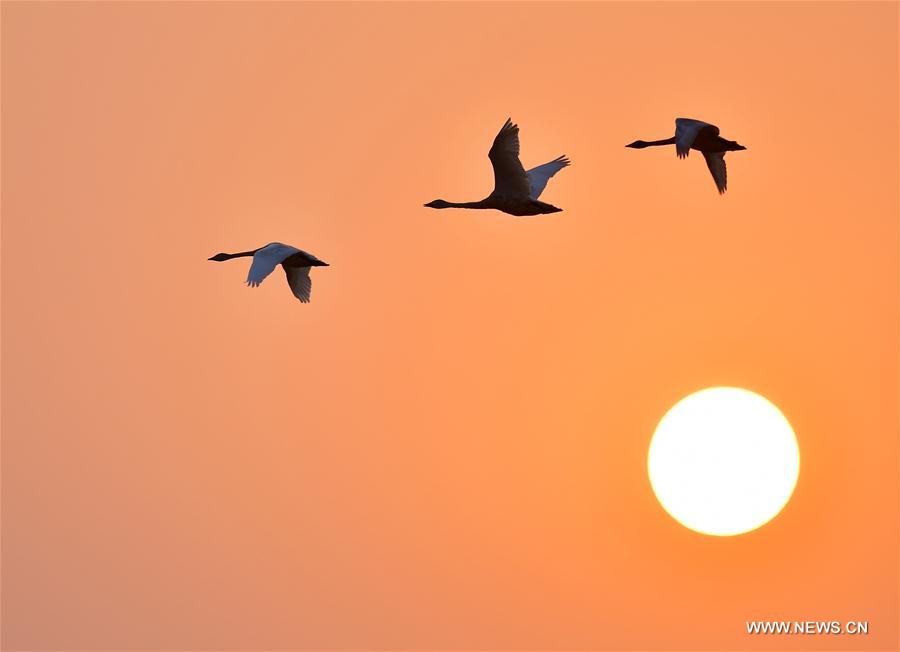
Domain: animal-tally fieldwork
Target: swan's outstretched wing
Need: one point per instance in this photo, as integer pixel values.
(539, 176)
(686, 131)
(265, 260)
(715, 161)
(509, 175)
(300, 282)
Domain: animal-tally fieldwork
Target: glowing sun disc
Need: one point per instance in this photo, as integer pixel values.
(723, 461)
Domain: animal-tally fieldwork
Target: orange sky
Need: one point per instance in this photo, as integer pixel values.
(447, 447)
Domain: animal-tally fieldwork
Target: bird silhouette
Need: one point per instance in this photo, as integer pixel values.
(704, 137)
(515, 191)
(296, 264)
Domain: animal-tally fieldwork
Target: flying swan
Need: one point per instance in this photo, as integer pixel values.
(296, 264)
(704, 137)
(515, 191)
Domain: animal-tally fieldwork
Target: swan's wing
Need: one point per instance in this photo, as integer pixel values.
(686, 131)
(509, 175)
(300, 282)
(539, 176)
(715, 161)
(265, 260)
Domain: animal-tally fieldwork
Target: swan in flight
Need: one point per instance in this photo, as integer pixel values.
(704, 137)
(515, 191)
(296, 264)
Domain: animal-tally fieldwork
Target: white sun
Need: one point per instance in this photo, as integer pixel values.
(723, 461)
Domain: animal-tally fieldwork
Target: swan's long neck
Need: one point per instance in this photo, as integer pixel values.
(467, 204)
(241, 255)
(653, 143)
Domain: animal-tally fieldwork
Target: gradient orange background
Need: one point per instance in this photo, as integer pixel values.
(447, 447)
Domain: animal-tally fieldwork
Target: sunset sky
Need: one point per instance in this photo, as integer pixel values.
(446, 449)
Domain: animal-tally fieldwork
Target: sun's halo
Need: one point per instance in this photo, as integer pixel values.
(723, 461)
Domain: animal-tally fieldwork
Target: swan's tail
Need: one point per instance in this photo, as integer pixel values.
(547, 208)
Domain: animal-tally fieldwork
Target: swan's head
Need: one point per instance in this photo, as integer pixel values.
(638, 144)
(438, 203)
(220, 257)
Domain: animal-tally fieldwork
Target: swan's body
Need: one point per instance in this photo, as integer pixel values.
(515, 191)
(296, 264)
(704, 137)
